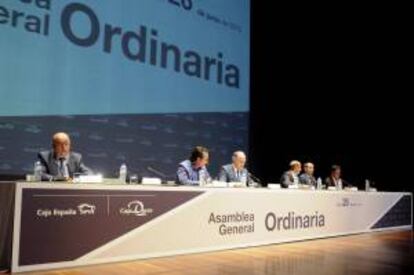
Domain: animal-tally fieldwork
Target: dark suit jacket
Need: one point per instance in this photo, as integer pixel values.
(227, 174)
(330, 182)
(50, 167)
(287, 179)
(307, 179)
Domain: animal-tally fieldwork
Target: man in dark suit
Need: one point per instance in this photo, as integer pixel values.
(334, 179)
(236, 171)
(291, 177)
(307, 177)
(61, 163)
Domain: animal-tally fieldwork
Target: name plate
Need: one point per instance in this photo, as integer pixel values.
(88, 179)
(151, 181)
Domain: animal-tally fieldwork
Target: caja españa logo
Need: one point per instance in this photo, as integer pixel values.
(83, 209)
(86, 209)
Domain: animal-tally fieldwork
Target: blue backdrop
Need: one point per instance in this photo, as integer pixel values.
(135, 81)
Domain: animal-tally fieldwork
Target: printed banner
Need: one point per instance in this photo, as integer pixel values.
(80, 224)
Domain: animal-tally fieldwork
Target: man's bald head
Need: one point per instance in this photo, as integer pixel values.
(239, 159)
(295, 166)
(61, 144)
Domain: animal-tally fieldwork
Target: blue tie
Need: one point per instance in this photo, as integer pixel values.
(61, 167)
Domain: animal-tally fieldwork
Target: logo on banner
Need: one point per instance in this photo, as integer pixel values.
(86, 209)
(135, 208)
(81, 210)
(346, 202)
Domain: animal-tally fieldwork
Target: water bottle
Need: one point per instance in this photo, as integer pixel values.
(202, 177)
(319, 184)
(123, 173)
(339, 187)
(243, 179)
(37, 171)
(367, 187)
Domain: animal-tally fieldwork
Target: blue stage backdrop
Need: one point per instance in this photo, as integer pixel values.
(135, 81)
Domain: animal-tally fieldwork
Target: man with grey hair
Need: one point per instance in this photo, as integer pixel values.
(61, 163)
(291, 177)
(236, 171)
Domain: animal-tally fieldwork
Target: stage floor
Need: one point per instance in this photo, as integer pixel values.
(373, 253)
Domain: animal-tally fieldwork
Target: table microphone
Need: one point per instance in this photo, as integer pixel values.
(157, 172)
(256, 179)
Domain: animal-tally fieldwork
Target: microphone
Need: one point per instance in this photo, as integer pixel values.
(157, 172)
(256, 179)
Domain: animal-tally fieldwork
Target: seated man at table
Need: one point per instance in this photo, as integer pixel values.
(235, 171)
(334, 179)
(307, 177)
(61, 163)
(291, 177)
(190, 171)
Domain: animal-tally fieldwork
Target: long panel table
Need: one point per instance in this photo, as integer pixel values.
(64, 225)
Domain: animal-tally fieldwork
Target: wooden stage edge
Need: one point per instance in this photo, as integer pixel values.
(390, 252)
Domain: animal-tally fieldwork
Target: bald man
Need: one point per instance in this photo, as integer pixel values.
(236, 171)
(291, 177)
(61, 163)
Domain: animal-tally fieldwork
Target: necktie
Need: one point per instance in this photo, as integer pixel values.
(61, 167)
